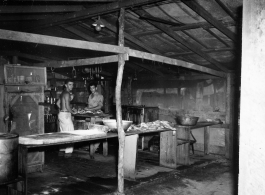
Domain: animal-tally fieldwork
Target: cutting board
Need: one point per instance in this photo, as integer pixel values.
(60, 137)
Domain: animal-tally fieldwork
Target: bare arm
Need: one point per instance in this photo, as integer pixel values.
(58, 103)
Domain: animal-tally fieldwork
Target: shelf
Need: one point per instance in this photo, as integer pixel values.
(48, 104)
(24, 84)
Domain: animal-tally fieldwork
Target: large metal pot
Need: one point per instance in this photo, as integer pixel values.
(8, 157)
(187, 120)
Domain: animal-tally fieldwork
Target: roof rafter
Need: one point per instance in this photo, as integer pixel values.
(226, 9)
(209, 18)
(95, 11)
(192, 47)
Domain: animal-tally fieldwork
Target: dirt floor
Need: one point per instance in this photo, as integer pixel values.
(80, 175)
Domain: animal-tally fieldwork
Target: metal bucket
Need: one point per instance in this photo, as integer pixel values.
(8, 157)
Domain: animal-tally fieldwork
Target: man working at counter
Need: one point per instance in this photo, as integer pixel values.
(95, 100)
(64, 116)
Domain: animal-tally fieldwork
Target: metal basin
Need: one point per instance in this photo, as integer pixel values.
(187, 120)
(112, 124)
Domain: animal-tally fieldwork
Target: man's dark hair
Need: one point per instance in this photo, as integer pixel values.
(68, 81)
(93, 84)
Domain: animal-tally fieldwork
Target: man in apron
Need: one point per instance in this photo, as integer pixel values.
(64, 116)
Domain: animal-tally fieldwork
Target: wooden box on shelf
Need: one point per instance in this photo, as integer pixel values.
(24, 75)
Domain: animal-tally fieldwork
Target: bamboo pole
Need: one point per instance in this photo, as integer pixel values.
(121, 134)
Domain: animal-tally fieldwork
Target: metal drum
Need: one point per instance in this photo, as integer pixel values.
(8, 157)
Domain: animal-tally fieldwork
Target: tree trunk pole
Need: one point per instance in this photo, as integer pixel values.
(121, 134)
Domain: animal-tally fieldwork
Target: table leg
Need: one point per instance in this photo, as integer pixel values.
(92, 149)
(105, 147)
(168, 149)
(183, 150)
(130, 156)
(206, 140)
(23, 166)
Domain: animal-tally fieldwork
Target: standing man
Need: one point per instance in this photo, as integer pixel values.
(95, 103)
(65, 111)
(95, 99)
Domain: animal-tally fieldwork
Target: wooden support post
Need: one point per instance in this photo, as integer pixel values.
(2, 110)
(130, 156)
(121, 134)
(23, 167)
(229, 116)
(206, 140)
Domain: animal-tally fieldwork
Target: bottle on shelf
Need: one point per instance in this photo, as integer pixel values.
(48, 99)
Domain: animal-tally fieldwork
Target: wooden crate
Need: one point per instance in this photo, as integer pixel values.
(24, 75)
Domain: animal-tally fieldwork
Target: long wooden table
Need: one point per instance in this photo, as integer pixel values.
(174, 149)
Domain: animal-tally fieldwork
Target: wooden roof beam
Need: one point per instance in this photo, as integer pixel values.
(192, 47)
(209, 18)
(57, 41)
(175, 62)
(80, 62)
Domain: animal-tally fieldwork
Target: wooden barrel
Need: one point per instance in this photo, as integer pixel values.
(8, 157)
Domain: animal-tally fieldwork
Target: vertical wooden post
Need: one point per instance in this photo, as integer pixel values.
(206, 140)
(229, 116)
(2, 111)
(121, 134)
